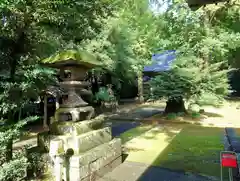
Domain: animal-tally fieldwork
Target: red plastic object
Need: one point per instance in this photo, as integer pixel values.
(229, 160)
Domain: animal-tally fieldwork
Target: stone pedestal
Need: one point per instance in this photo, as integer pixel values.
(95, 152)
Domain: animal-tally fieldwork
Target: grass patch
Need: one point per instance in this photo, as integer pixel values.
(194, 149)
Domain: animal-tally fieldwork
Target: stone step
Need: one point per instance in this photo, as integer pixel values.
(68, 129)
(80, 143)
(87, 141)
(93, 139)
(85, 165)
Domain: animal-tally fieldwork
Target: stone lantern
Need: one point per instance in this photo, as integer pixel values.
(73, 67)
(80, 148)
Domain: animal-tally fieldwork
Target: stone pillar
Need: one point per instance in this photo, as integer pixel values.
(57, 102)
(58, 168)
(56, 147)
(45, 112)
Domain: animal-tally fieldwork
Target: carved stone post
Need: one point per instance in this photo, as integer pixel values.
(45, 112)
(57, 102)
(58, 168)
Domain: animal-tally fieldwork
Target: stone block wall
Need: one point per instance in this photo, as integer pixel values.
(93, 151)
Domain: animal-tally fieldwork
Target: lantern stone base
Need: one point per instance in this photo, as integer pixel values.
(68, 129)
(92, 150)
(76, 128)
(80, 143)
(85, 164)
(96, 162)
(103, 170)
(64, 114)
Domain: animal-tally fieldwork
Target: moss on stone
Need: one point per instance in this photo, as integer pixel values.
(80, 57)
(61, 110)
(56, 127)
(43, 140)
(60, 128)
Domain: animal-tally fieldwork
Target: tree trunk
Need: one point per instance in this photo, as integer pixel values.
(175, 106)
(140, 87)
(9, 150)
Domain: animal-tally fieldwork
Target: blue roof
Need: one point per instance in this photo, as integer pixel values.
(161, 62)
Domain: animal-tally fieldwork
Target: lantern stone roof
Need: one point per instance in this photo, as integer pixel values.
(71, 58)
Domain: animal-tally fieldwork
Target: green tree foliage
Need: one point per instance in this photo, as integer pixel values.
(126, 41)
(112, 47)
(201, 66)
(31, 30)
(40, 28)
(13, 165)
(226, 15)
(134, 36)
(122, 35)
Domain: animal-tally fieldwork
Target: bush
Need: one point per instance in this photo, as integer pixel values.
(195, 115)
(171, 116)
(37, 164)
(13, 165)
(104, 95)
(14, 169)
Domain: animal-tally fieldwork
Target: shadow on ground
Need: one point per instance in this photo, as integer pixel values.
(139, 113)
(194, 150)
(119, 127)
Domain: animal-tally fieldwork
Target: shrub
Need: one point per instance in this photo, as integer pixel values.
(195, 115)
(103, 95)
(13, 165)
(171, 116)
(14, 169)
(37, 164)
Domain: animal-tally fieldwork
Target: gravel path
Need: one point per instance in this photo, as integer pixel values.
(136, 113)
(32, 142)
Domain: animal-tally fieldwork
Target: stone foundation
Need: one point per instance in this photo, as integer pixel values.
(93, 162)
(103, 170)
(93, 151)
(84, 142)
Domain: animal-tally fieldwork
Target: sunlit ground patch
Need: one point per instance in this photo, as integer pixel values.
(190, 148)
(150, 143)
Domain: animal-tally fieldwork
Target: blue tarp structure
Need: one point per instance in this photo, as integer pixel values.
(161, 62)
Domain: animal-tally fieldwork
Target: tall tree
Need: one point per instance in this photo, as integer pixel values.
(200, 70)
(144, 27)
(29, 31)
(127, 40)
(227, 16)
